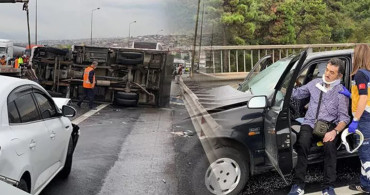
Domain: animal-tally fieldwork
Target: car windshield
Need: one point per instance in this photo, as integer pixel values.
(264, 82)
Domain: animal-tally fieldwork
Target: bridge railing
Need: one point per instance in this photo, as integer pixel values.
(224, 59)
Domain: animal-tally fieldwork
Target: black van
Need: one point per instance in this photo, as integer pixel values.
(259, 122)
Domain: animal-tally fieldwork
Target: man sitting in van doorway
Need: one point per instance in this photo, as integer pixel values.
(333, 109)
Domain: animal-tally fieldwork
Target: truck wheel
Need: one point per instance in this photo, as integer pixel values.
(64, 173)
(127, 96)
(22, 185)
(226, 174)
(125, 102)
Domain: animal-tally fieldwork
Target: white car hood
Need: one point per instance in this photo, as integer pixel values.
(60, 102)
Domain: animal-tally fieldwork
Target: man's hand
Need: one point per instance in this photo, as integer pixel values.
(353, 126)
(330, 136)
(345, 92)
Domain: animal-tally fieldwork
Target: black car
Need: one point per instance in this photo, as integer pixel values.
(257, 124)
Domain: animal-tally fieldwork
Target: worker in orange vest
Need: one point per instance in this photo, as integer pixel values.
(89, 85)
(16, 64)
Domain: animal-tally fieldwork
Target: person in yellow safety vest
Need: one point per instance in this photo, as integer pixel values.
(89, 85)
(20, 61)
(16, 64)
(360, 90)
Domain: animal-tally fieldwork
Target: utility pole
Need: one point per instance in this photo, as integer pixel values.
(201, 36)
(129, 33)
(91, 30)
(195, 41)
(25, 8)
(213, 25)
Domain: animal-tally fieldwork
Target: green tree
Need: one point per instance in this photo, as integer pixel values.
(254, 22)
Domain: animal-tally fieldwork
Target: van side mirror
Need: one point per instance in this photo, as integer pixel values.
(257, 102)
(68, 111)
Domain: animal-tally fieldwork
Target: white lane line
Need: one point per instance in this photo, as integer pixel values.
(340, 191)
(88, 114)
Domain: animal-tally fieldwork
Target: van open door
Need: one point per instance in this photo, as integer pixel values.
(278, 147)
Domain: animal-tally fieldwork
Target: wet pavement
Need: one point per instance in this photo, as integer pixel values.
(102, 136)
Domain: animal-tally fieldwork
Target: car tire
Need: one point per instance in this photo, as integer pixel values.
(232, 171)
(22, 185)
(64, 173)
(125, 102)
(127, 96)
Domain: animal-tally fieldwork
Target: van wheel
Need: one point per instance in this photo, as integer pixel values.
(64, 173)
(22, 185)
(226, 174)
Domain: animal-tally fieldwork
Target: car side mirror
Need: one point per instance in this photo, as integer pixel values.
(257, 102)
(68, 111)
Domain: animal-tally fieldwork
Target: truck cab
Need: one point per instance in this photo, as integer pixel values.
(6, 49)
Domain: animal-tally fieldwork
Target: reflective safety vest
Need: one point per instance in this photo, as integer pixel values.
(86, 82)
(355, 93)
(16, 64)
(20, 60)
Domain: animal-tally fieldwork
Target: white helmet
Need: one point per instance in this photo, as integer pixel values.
(345, 133)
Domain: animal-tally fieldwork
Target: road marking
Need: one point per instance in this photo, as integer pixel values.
(341, 190)
(88, 114)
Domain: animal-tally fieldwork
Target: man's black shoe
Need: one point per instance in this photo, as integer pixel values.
(358, 187)
(79, 105)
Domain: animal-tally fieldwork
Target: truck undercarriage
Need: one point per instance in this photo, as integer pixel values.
(124, 76)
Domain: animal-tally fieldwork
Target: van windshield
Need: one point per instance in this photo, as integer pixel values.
(264, 82)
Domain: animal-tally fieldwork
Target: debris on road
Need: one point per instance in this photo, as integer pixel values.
(189, 133)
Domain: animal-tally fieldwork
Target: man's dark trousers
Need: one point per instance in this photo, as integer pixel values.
(89, 93)
(305, 139)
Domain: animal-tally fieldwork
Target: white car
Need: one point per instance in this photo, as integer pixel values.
(37, 140)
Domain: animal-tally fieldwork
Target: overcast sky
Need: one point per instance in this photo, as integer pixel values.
(70, 19)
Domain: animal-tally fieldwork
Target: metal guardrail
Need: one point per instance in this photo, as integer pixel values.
(204, 124)
(220, 59)
(242, 58)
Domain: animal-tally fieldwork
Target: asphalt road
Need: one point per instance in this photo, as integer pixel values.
(97, 150)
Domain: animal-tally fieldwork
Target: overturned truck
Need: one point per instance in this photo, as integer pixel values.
(126, 77)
